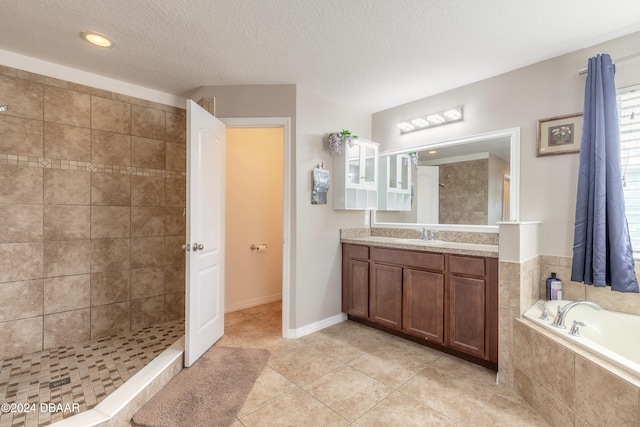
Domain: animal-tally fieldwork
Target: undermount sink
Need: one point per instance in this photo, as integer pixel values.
(419, 241)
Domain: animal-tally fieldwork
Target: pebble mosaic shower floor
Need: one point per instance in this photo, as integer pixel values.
(41, 388)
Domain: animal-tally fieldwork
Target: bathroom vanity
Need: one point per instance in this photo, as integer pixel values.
(443, 295)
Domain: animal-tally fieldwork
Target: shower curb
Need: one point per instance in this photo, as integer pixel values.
(118, 408)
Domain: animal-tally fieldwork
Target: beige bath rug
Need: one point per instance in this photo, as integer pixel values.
(209, 393)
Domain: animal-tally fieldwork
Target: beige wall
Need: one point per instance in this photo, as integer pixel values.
(92, 190)
(518, 99)
(318, 255)
(254, 211)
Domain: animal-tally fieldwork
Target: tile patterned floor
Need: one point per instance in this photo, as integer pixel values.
(95, 369)
(353, 375)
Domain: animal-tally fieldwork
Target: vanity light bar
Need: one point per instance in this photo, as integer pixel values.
(431, 120)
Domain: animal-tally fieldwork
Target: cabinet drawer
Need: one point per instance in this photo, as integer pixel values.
(426, 260)
(467, 265)
(357, 251)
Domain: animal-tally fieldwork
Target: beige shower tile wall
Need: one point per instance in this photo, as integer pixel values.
(464, 199)
(92, 192)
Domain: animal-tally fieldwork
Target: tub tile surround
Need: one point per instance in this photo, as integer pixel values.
(564, 383)
(568, 385)
(92, 191)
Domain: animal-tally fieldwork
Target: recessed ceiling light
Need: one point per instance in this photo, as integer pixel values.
(96, 39)
(431, 152)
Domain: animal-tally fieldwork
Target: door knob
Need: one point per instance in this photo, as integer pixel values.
(197, 247)
(200, 246)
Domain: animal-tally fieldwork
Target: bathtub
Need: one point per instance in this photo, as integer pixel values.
(608, 334)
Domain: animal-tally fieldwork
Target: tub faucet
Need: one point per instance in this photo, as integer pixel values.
(562, 312)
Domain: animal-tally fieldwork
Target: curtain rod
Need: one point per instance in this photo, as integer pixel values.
(584, 70)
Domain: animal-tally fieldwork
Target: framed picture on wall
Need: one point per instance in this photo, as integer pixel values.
(559, 135)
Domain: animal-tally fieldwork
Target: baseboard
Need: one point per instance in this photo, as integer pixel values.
(316, 326)
(253, 302)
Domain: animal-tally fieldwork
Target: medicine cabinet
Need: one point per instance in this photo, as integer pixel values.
(356, 176)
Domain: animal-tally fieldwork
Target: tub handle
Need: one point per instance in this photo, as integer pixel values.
(543, 315)
(575, 331)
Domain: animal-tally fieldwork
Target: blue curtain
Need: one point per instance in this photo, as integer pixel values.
(602, 253)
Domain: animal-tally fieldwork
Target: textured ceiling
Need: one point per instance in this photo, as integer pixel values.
(371, 54)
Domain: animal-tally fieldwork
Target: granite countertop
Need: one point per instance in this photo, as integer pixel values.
(474, 249)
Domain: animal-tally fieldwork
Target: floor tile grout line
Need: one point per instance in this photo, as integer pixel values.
(271, 401)
(325, 405)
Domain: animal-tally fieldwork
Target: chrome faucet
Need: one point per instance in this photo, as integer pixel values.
(426, 234)
(562, 312)
(544, 315)
(423, 233)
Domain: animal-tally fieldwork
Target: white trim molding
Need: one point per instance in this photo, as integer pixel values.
(316, 326)
(285, 123)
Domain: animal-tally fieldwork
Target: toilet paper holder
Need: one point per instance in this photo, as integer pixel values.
(262, 247)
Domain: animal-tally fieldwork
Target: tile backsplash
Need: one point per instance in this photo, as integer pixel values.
(92, 192)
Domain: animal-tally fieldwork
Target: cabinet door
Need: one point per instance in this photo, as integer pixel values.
(405, 173)
(369, 165)
(386, 295)
(354, 166)
(362, 164)
(358, 288)
(467, 315)
(423, 305)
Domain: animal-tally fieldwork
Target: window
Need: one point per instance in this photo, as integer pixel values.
(629, 115)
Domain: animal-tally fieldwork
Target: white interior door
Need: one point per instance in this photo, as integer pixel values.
(205, 232)
(428, 207)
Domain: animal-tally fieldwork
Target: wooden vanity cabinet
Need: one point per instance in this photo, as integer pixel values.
(473, 305)
(448, 301)
(355, 272)
(407, 292)
(423, 304)
(385, 300)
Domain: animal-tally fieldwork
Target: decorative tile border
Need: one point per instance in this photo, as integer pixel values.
(47, 163)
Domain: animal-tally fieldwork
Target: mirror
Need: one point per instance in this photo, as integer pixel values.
(465, 184)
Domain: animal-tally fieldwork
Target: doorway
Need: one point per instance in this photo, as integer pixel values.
(257, 212)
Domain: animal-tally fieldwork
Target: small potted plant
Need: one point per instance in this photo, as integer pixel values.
(337, 138)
